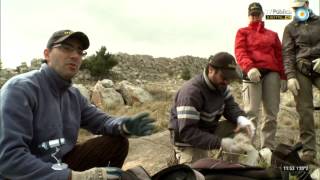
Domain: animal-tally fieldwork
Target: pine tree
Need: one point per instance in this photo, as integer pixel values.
(100, 63)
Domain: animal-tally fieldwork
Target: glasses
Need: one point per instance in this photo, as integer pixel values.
(69, 48)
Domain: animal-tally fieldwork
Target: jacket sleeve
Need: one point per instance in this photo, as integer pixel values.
(188, 106)
(16, 134)
(288, 53)
(96, 121)
(241, 54)
(232, 110)
(278, 53)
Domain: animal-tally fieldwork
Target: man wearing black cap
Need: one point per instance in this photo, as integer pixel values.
(40, 117)
(258, 52)
(301, 57)
(199, 104)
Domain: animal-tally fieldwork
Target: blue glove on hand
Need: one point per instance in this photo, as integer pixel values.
(139, 125)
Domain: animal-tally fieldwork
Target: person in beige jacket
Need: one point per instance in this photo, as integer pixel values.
(301, 56)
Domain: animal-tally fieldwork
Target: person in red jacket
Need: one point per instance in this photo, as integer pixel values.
(258, 52)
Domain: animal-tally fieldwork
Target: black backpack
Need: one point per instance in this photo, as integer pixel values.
(217, 169)
(285, 161)
(286, 158)
(176, 172)
(205, 169)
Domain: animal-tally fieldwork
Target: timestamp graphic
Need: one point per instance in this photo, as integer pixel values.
(302, 172)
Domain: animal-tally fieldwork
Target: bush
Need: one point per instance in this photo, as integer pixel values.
(100, 63)
(186, 74)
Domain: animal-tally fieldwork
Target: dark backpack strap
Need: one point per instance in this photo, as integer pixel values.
(180, 171)
(136, 173)
(214, 169)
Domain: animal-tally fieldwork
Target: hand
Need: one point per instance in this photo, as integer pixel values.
(316, 66)
(245, 123)
(254, 75)
(293, 86)
(230, 145)
(266, 154)
(139, 125)
(283, 86)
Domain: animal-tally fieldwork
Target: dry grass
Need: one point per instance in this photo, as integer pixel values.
(163, 93)
(159, 109)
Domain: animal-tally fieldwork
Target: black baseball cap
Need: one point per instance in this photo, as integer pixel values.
(226, 63)
(255, 8)
(62, 35)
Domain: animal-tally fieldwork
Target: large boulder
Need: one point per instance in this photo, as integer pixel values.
(133, 94)
(105, 96)
(151, 152)
(83, 90)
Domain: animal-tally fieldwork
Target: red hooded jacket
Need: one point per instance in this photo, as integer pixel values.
(258, 47)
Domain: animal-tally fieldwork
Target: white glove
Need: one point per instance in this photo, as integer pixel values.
(316, 66)
(245, 123)
(266, 155)
(254, 75)
(230, 145)
(283, 86)
(293, 86)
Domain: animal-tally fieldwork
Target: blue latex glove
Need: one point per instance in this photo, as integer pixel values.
(139, 125)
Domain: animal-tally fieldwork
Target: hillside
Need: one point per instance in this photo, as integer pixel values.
(161, 78)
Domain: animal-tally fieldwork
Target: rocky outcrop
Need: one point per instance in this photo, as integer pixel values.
(6, 74)
(105, 96)
(83, 90)
(83, 76)
(134, 94)
(131, 67)
(35, 64)
(150, 68)
(151, 152)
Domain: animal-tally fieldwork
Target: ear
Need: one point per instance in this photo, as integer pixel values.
(210, 69)
(46, 53)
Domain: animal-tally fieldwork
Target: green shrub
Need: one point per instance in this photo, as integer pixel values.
(186, 74)
(100, 63)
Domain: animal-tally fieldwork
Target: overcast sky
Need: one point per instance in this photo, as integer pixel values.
(161, 28)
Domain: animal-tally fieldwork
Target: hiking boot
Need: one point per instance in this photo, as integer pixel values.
(309, 157)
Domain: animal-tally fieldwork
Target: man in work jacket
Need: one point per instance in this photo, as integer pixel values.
(199, 104)
(301, 57)
(41, 114)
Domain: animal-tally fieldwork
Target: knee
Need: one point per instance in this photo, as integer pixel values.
(117, 141)
(123, 142)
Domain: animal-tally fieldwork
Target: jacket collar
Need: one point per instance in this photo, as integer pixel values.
(56, 83)
(257, 26)
(207, 81)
